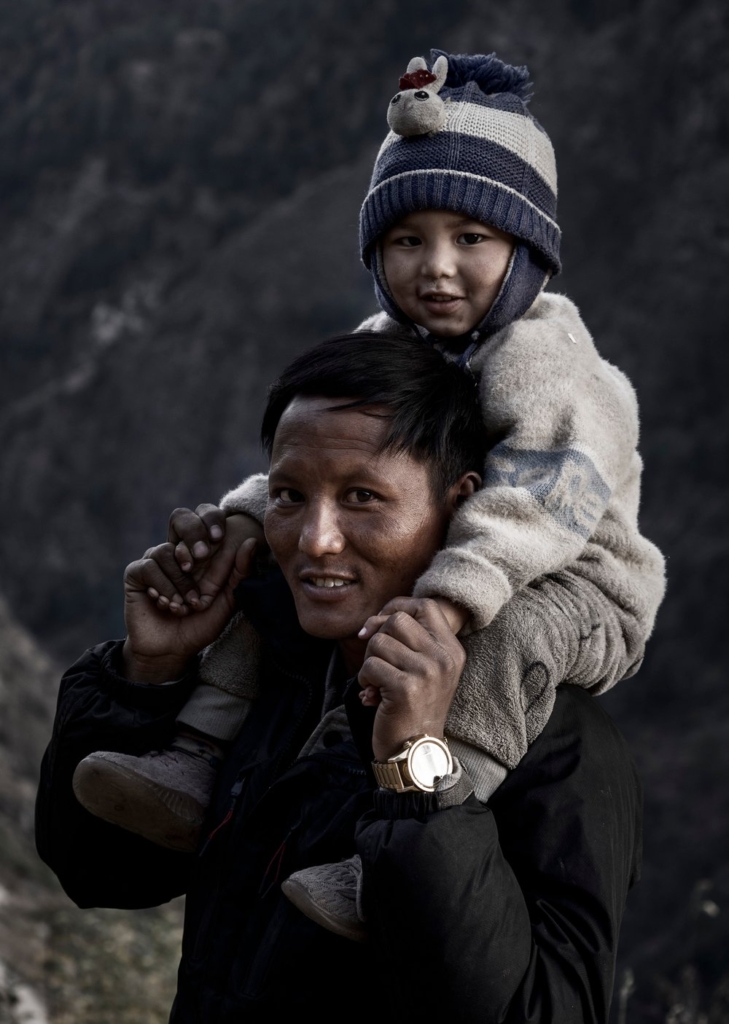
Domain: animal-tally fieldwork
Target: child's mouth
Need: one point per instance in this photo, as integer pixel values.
(440, 304)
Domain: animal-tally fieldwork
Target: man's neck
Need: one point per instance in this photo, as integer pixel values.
(353, 654)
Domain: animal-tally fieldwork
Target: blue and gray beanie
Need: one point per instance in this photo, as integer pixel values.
(463, 139)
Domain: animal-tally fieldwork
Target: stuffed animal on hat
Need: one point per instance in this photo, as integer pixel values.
(418, 109)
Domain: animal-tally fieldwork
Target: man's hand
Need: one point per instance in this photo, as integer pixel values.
(197, 537)
(164, 637)
(413, 662)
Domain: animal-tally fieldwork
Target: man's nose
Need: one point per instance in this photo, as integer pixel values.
(321, 532)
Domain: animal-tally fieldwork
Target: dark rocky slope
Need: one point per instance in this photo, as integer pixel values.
(57, 963)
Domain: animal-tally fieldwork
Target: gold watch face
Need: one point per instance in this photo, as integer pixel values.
(428, 762)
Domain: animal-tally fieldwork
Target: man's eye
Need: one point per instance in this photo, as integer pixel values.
(471, 238)
(359, 496)
(289, 496)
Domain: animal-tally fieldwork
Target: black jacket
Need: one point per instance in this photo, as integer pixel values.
(506, 912)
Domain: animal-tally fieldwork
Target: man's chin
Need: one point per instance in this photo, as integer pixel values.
(328, 625)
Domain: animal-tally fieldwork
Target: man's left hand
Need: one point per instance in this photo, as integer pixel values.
(414, 662)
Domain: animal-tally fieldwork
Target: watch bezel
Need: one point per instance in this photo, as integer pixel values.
(396, 773)
(414, 746)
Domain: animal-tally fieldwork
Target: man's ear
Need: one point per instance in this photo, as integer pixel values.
(463, 488)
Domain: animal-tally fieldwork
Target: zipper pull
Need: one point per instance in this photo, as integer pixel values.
(234, 794)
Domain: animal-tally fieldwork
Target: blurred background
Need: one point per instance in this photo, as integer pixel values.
(180, 186)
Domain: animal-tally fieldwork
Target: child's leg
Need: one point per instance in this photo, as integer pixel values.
(215, 713)
(163, 795)
(561, 629)
(330, 894)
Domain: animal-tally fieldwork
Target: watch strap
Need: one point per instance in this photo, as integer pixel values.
(388, 775)
(396, 773)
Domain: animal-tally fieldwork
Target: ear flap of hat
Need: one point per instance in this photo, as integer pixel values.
(525, 279)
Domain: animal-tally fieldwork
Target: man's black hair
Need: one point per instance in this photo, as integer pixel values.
(435, 411)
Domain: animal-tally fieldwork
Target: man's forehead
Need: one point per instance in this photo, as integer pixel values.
(308, 446)
(320, 437)
(332, 422)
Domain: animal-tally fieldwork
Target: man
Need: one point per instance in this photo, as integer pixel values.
(502, 911)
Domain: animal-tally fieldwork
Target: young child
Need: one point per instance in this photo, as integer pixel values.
(545, 570)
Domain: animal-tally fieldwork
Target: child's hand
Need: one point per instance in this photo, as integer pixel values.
(455, 616)
(202, 541)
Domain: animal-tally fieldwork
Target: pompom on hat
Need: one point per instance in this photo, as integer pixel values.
(462, 139)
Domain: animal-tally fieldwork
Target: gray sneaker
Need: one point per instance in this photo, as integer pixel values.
(331, 895)
(162, 795)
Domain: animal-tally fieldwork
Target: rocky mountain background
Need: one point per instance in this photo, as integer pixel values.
(179, 191)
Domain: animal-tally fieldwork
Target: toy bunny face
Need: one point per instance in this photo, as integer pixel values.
(418, 109)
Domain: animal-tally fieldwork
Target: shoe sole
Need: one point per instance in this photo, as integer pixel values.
(166, 817)
(302, 900)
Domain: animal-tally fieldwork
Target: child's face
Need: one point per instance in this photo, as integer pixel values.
(445, 270)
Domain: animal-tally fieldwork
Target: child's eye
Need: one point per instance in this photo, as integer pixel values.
(289, 496)
(408, 241)
(471, 238)
(359, 496)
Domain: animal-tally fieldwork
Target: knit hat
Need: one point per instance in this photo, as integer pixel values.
(462, 139)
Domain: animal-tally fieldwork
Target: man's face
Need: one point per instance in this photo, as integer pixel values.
(350, 527)
(445, 270)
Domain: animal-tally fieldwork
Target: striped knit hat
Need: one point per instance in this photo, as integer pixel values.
(463, 139)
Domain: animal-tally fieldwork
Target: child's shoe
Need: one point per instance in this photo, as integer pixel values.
(162, 795)
(331, 895)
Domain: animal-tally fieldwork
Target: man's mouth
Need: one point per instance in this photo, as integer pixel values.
(327, 581)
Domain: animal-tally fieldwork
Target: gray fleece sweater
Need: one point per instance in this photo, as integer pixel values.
(547, 556)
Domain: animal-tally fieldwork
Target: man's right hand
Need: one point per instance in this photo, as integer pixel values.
(162, 637)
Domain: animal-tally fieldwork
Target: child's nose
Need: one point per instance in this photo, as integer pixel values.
(439, 260)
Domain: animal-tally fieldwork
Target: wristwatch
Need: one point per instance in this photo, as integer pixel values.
(420, 765)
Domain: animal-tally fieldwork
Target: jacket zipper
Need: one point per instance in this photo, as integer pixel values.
(201, 938)
(235, 792)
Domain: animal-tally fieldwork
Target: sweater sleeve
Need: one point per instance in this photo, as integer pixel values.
(516, 906)
(99, 864)
(250, 497)
(562, 426)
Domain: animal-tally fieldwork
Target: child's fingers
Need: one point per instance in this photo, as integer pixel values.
(187, 526)
(371, 626)
(235, 545)
(411, 605)
(183, 556)
(148, 575)
(425, 610)
(184, 590)
(370, 697)
(243, 562)
(214, 520)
